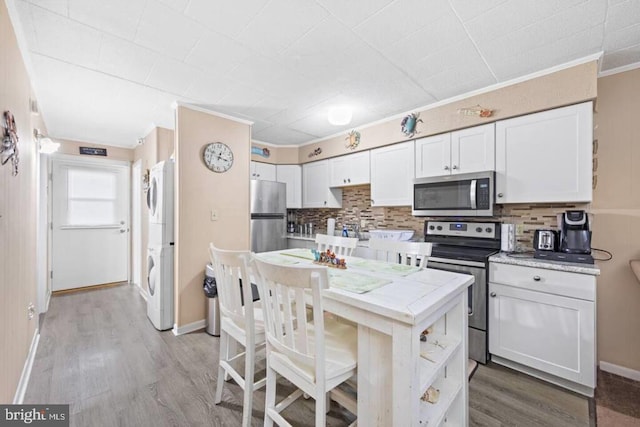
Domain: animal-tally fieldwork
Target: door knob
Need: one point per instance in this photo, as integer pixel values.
(446, 168)
(500, 194)
(492, 294)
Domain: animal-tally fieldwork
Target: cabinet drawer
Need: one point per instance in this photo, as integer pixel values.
(555, 282)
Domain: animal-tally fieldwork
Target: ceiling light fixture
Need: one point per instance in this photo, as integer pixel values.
(47, 146)
(340, 115)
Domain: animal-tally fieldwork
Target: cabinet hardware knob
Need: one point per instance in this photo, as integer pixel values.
(344, 181)
(325, 202)
(455, 167)
(500, 194)
(372, 202)
(122, 230)
(348, 179)
(492, 294)
(536, 278)
(446, 168)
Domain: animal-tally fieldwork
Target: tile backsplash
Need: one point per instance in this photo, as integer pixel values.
(357, 209)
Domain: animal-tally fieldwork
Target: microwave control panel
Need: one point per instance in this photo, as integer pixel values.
(483, 194)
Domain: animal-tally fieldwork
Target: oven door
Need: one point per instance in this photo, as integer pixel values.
(477, 304)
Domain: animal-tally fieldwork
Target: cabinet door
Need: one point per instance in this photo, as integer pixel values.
(339, 170)
(292, 176)
(547, 332)
(433, 156)
(263, 171)
(545, 157)
(473, 149)
(392, 175)
(315, 187)
(352, 169)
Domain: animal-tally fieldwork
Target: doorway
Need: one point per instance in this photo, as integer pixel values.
(90, 222)
(136, 222)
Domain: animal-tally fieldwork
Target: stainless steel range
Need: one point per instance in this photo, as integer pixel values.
(465, 247)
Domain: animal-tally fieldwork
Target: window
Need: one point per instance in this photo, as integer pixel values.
(91, 197)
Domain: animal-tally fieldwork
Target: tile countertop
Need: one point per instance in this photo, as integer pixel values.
(527, 260)
(312, 238)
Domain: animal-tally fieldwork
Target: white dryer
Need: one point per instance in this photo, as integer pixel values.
(160, 203)
(160, 282)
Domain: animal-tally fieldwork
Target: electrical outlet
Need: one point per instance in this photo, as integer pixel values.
(519, 228)
(214, 215)
(363, 223)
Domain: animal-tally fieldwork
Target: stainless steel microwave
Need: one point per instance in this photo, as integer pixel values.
(470, 194)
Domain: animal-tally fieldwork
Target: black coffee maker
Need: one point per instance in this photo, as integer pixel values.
(575, 235)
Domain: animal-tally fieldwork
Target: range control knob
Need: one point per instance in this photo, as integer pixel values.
(431, 227)
(478, 229)
(439, 227)
(488, 230)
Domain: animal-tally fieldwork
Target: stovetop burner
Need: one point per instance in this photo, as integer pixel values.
(461, 240)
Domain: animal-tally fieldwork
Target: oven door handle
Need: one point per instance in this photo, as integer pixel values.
(472, 194)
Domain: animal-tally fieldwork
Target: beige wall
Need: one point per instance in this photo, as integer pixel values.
(198, 192)
(616, 224)
(113, 153)
(277, 155)
(17, 219)
(156, 147)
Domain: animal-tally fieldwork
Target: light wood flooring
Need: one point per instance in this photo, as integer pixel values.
(99, 353)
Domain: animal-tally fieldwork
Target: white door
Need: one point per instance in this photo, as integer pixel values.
(433, 156)
(473, 149)
(392, 175)
(136, 223)
(90, 239)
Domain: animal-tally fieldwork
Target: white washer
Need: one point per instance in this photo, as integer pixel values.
(160, 281)
(160, 203)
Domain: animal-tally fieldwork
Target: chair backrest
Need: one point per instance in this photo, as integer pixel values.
(229, 268)
(401, 252)
(338, 244)
(282, 293)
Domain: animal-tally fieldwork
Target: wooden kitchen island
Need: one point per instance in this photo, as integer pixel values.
(396, 368)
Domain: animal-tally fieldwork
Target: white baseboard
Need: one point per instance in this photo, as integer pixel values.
(18, 398)
(620, 370)
(143, 293)
(190, 327)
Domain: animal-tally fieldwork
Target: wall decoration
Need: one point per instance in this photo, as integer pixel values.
(264, 152)
(9, 148)
(353, 139)
(218, 157)
(409, 124)
(146, 178)
(93, 151)
(477, 111)
(316, 152)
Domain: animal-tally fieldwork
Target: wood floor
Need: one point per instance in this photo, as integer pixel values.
(99, 353)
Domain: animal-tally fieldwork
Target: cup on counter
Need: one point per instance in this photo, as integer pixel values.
(300, 229)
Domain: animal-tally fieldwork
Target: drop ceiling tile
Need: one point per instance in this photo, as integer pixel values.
(317, 124)
(399, 20)
(627, 36)
(259, 125)
(210, 89)
(179, 5)
(125, 59)
(266, 107)
(279, 24)
(353, 12)
(60, 7)
(469, 9)
(117, 17)
(458, 81)
(163, 30)
(64, 39)
(622, 15)
(281, 135)
(224, 17)
(217, 53)
(171, 76)
(514, 15)
(26, 21)
(620, 58)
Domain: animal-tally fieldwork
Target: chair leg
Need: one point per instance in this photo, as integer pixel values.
(249, 368)
(222, 373)
(270, 396)
(327, 402)
(321, 410)
(232, 351)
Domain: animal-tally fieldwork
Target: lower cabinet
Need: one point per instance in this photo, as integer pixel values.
(300, 244)
(551, 333)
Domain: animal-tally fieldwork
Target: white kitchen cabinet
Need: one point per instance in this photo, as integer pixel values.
(293, 243)
(263, 171)
(392, 173)
(464, 151)
(316, 192)
(352, 169)
(292, 176)
(545, 157)
(543, 322)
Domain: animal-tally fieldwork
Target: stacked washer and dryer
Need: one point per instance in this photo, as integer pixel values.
(160, 248)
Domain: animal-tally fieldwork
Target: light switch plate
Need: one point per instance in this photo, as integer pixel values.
(214, 215)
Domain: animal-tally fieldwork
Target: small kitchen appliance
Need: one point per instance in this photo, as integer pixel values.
(469, 194)
(545, 240)
(574, 243)
(508, 237)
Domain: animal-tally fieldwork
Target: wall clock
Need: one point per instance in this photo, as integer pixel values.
(218, 157)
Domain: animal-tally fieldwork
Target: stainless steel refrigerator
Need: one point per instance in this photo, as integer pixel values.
(268, 216)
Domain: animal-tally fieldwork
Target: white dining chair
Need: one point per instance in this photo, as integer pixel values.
(240, 320)
(409, 253)
(315, 355)
(338, 244)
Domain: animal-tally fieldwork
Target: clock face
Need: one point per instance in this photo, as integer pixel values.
(218, 157)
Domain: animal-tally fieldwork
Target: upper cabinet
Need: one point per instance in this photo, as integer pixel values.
(465, 151)
(392, 175)
(545, 157)
(263, 171)
(292, 176)
(352, 169)
(316, 191)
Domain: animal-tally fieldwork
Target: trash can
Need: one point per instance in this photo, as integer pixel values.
(213, 306)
